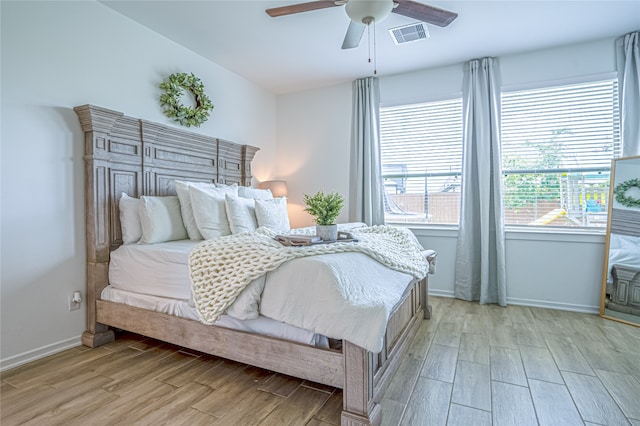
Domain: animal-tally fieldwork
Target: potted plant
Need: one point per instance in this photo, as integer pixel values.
(325, 208)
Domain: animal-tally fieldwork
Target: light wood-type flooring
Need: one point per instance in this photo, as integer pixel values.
(468, 365)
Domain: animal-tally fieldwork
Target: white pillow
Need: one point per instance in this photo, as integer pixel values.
(209, 210)
(273, 214)
(130, 219)
(255, 193)
(182, 189)
(241, 214)
(161, 220)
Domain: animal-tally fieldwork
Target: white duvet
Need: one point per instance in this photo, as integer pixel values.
(343, 296)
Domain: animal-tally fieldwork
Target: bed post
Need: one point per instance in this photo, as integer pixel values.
(96, 334)
(358, 407)
(104, 153)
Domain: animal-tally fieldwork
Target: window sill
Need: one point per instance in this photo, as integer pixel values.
(581, 235)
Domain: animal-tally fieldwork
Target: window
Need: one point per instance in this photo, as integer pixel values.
(421, 148)
(557, 146)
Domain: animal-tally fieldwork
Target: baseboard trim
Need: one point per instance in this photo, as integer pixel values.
(35, 354)
(441, 293)
(585, 309)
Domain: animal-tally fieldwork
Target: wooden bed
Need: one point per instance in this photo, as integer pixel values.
(124, 154)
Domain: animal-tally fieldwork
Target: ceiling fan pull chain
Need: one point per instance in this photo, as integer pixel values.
(371, 23)
(375, 58)
(369, 40)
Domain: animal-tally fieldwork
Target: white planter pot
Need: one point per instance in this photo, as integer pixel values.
(327, 232)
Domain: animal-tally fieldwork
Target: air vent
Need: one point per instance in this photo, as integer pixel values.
(408, 33)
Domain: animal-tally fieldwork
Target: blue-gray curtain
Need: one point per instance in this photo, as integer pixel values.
(628, 58)
(365, 196)
(480, 253)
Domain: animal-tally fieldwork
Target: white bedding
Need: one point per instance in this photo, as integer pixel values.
(328, 295)
(156, 269)
(342, 296)
(162, 270)
(180, 308)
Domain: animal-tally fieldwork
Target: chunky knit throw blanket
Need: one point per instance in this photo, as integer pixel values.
(222, 267)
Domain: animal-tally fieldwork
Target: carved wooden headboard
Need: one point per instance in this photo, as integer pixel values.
(138, 157)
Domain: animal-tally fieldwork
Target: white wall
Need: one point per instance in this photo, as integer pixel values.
(57, 55)
(559, 270)
(555, 270)
(314, 133)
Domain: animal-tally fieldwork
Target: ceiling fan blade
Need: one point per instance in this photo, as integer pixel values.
(300, 7)
(425, 13)
(354, 35)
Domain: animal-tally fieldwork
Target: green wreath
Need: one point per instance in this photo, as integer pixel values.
(621, 193)
(170, 100)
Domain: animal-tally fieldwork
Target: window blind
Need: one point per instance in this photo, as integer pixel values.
(557, 146)
(421, 150)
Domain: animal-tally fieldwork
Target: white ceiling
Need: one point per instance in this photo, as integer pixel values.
(302, 51)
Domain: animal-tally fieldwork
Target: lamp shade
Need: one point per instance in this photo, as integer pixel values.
(360, 10)
(277, 187)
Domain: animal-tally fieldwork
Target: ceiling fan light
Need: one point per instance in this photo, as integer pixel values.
(360, 10)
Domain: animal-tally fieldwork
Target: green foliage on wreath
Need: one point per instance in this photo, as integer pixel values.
(170, 100)
(621, 193)
(325, 208)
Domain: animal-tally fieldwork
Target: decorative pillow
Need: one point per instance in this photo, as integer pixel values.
(130, 219)
(273, 214)
(182, 189)
(209, 210)
(241, 214)
(161, 220)
(255, 193)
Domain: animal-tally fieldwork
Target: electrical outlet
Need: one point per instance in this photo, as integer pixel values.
(72, 304)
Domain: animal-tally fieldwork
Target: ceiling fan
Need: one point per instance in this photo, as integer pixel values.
(364, 12)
